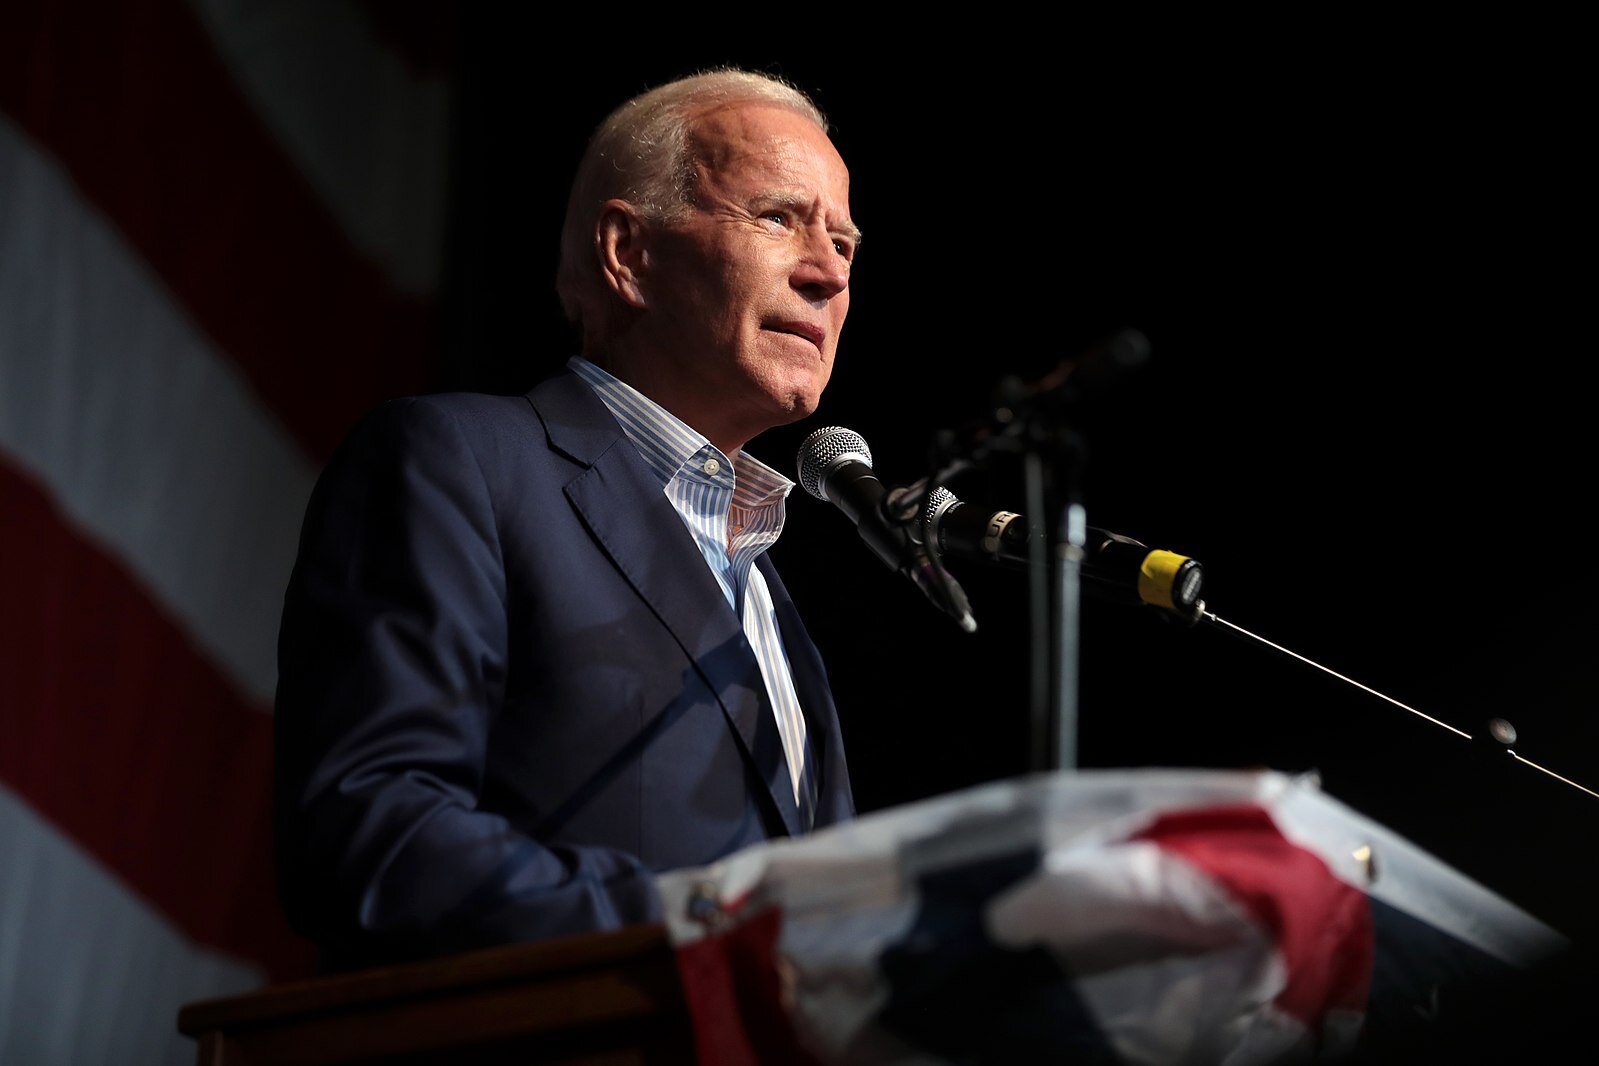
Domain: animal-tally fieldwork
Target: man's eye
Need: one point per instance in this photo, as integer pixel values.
(844, 248)
(776, 216)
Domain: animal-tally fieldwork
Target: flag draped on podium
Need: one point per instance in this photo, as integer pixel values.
(219, 234)
(1144, 917)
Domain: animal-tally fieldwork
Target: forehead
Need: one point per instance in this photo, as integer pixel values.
(764, 144)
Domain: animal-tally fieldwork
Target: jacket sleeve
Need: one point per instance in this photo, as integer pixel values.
(392, 667)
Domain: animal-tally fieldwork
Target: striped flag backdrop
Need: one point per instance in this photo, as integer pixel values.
(220, 228)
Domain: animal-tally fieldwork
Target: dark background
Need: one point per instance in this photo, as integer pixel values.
(1365, 269)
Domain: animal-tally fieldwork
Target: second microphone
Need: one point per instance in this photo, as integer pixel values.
(1114, 567)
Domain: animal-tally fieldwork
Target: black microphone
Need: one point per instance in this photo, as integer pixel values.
(836, 465)
(1114, 567)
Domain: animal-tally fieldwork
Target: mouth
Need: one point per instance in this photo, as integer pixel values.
(804, 330)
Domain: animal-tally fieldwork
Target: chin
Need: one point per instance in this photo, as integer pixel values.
(803, 402)
(782, 413)
(785, 395)
(797, 395)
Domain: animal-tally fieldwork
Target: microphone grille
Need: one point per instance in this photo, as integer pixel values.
(823, 450)
(938, 501)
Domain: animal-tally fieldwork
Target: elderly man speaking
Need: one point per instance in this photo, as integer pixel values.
(533, 650)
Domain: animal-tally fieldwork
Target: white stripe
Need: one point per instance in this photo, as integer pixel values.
(90, 973)
(370, 137)
(152, 442)
(1169, 963)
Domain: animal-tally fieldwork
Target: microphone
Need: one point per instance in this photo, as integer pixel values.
(836, 465)
(1114, 567)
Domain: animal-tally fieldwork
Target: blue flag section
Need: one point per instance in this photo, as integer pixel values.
(948, 970)
(1439, 998)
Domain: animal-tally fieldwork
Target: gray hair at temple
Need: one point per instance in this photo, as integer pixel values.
(640, 154)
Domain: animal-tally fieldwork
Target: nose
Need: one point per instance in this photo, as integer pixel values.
(822, 272)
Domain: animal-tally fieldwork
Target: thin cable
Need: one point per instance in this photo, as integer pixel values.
(1350, 680)
(1557, 777)
(1396, 703)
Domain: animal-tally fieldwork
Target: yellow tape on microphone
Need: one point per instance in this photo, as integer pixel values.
(1157, 576)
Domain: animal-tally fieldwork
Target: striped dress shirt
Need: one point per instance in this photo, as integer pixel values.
(734, 516)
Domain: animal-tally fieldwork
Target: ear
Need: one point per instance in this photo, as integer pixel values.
(619, 241)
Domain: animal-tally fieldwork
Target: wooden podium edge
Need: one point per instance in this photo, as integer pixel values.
(550, 989)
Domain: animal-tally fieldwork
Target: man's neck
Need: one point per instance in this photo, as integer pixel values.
(676, 396)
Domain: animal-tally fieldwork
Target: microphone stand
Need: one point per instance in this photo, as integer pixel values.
(1056, 549)
(1032, 420)
(1052, 466)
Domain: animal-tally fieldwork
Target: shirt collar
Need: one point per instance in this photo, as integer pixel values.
(671, 447)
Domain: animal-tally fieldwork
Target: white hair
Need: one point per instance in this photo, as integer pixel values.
(640, 154)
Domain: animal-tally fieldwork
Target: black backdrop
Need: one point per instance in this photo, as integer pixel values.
(1365, 271)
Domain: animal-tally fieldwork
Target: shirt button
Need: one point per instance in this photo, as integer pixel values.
(712, 466)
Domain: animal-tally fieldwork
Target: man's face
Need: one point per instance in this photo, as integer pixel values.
(748, 289)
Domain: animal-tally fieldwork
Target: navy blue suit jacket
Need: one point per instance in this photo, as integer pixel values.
(510, 691)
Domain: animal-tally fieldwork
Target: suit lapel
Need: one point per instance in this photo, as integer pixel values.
(634, 524)
(834, 800)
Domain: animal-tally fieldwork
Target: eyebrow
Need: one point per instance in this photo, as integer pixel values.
(795, 203)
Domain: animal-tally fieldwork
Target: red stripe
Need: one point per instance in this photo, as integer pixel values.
(122, 734)
(734, 993)
(1321, 925)
(133, 99)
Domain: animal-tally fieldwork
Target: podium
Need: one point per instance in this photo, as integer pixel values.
(608, 998)
(1130, 916)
